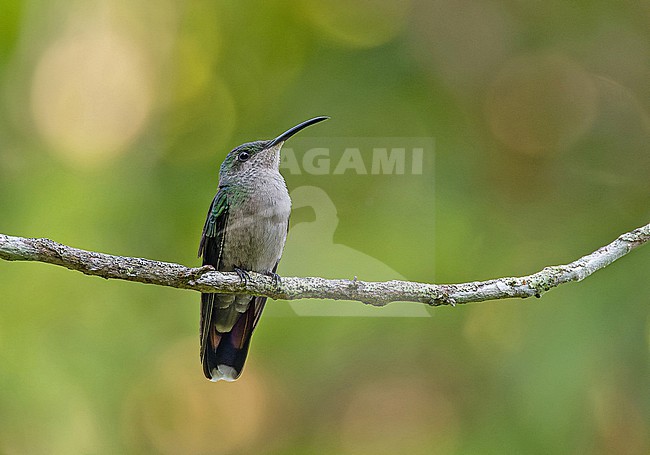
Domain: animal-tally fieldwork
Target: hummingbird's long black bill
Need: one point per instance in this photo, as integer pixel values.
(290, 132)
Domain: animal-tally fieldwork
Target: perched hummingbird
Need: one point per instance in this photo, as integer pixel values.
(245, 230)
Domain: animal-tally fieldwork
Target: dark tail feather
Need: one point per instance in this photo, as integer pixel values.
(224, 354)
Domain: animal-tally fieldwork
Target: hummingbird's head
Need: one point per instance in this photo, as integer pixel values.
(257, 156)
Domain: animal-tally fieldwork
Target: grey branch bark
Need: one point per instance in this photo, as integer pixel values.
(206, 279)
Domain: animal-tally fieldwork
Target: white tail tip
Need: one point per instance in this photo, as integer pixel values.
(223, 373)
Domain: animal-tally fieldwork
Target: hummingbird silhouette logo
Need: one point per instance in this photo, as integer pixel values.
(245, 230)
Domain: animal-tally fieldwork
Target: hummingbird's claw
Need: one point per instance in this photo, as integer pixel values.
(243, 275)
(276, 278)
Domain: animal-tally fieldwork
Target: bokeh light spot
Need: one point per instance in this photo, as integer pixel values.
(399, 415)
(174, 409)
(621, 427)
(462, 41)
(541, 104)
(91, 94)
(358, 23)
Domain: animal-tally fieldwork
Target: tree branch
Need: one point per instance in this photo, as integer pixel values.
(205, 279)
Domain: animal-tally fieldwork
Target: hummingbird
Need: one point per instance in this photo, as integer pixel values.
(245, 231)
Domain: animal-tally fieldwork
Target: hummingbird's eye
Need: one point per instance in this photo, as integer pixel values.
(243, 156)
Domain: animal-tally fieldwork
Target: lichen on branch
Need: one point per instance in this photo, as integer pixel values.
(206, 279)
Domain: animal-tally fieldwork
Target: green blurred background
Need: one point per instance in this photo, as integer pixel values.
(115, 116)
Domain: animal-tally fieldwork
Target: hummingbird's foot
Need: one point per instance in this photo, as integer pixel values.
(275, 277)
(243, 275)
